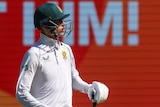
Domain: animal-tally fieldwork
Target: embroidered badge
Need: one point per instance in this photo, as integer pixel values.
(59, 9)
(64, 55)
(25, 67)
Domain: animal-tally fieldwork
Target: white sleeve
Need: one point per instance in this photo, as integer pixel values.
(77, 82)
(27, 72)
(80, 85)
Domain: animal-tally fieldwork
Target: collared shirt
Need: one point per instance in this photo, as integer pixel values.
(48, 74)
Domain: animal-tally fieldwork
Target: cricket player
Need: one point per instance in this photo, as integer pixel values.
(48, 72)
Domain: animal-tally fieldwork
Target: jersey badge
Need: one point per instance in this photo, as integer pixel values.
(64, 55)
(25, 67)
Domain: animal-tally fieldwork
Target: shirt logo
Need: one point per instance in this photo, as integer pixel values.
(46, 58)
(64, 55)
(25, 67)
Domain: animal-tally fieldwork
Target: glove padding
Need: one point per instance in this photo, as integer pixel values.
(100, 91)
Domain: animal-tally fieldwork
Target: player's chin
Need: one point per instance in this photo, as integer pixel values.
(61, 34)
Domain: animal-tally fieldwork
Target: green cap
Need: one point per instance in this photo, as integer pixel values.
(48, 10)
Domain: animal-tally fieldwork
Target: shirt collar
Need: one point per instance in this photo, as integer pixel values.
(49, 41)
(46, 40)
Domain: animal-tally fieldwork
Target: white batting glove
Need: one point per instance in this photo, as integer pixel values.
(100, 92)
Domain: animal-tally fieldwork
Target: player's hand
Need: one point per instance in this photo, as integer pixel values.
(99, 91)
(91, 92)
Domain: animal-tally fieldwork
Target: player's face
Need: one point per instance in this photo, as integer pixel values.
(63, 29)
(60, 30)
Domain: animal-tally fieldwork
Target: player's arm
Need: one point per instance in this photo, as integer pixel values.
(27, 72)
(98, 89)
(77, 82)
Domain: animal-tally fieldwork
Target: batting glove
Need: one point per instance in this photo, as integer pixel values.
(100, 92)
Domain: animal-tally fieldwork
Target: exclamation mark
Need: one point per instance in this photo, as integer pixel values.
(3, 7)
(28, 28)
(133, 38)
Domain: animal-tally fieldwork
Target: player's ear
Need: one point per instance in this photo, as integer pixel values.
(44, 29)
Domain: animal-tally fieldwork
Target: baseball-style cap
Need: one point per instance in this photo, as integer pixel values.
(48, 10)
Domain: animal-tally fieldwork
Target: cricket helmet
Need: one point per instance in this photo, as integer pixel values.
(47, 13)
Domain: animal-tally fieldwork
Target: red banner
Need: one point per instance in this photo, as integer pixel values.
(116, 42)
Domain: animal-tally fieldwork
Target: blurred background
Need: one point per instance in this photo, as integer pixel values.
(116, 42)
